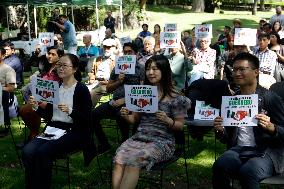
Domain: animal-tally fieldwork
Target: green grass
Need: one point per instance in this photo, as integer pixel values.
(200, 157)
(187, 20)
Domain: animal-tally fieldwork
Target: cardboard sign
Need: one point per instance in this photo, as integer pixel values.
(245, 36)
(239, 110)
(46, 39)
(203, 31)
(203, 112)
(141, 98)
(125, 40)
(170, 40)
(45, 90)
(170, 27)
(125, 64)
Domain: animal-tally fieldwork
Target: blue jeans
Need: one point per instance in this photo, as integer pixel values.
(249, 172)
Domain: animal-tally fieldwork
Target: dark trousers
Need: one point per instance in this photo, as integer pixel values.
(105, 111)
(5, 104)
(249, 172)
(39, 154)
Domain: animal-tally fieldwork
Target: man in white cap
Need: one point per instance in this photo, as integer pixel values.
(117, 44)
(100, 73)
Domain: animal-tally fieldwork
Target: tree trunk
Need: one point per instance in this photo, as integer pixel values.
(155, 2)
(143, 4)
(198, 6)
(254, 8)
(262, 8)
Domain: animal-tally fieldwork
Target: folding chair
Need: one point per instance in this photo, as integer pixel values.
(274, 180)
(161, 166)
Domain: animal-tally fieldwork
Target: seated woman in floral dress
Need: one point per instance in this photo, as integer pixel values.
(154, 140)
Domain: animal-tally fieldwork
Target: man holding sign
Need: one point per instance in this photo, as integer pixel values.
(255, 152)
(111, 109)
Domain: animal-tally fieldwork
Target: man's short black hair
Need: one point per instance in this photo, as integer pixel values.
(2, 51)
(253, 60)
(144, 25)
(133, 46)
(227, 27)
(9, 44)
(63, 16)
(267, 24)
(263, 35)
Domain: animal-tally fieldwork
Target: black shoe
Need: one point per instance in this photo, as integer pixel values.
(103, 149)
(4, 132)
(20, 145)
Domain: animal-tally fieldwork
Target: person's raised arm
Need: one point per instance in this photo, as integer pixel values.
(113, 85)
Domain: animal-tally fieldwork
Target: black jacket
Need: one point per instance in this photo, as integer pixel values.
(273, 145)
(81, 115)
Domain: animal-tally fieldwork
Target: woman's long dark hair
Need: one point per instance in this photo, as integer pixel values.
(280, 28)
(159, 28)
(47, 67)
(163, 65)
(277, 37)
(75, 63)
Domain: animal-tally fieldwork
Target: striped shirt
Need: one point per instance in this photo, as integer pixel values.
(267, 60)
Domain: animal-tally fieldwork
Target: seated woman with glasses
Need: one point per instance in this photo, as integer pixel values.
(72, 114)
(154, 140)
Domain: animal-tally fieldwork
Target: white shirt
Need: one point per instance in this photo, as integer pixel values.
(246, 136)
(65, 97)
(103, 70)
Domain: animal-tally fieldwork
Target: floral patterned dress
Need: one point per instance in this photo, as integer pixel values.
(154, 141)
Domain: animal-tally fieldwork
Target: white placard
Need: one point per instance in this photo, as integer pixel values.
(245, 36)
(203, 31)
(141, 98)
(170, 27)
(125, 40)
(52, 133)
(203, 112)
(45, 90)
(239, 110)
(46, 39)
(125, 64)
(170, 40)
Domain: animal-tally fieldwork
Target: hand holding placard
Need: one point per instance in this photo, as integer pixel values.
(265, 124)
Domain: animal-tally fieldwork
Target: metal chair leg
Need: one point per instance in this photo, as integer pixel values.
(68, 171)
(161, 179)
(13, 139)
(100, 170)
(186, 172)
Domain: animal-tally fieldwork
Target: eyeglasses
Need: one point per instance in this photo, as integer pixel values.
(241, 69)
(64, 66)
(203, 41)
(128, 52)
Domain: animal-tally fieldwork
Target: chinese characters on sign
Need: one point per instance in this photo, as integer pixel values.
(239, 110)
(141, 98)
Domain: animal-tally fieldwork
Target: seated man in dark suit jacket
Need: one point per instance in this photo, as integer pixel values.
(254, 153)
